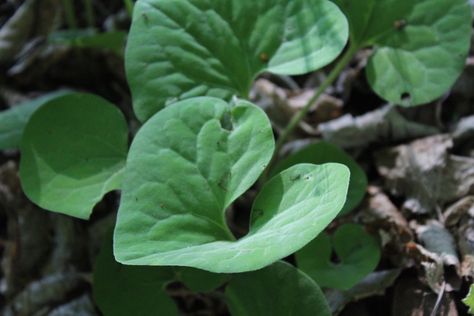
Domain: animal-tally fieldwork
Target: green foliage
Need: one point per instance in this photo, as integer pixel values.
(186, 48)
(469, 299)
(279, 289)
(73, 152)
(186, 166)
(323, 152)
(420, 46)
(123, 290)
(358, 252)
(13, 121)
(192, 159)
(200, 280)
(90, 38)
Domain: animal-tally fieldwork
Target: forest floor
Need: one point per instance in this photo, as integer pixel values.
(419, 201)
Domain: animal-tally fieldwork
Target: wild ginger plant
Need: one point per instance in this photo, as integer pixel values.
(190, 65)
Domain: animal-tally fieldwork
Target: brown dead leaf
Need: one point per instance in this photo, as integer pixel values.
(380, 215)
(381, 125)
(425, 173)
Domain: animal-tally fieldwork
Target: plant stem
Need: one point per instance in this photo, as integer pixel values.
(89, 13)
(129, 6)
(69, 14)
(296, 119)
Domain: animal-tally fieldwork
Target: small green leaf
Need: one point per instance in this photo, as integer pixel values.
(199, 280)
(186, 166)
(420, 46)
(123, 290)
(323, 152)
(187, 48)
(90, 38)
(279, 289)
(357, 251)
(72, 152)
(469, 300)
(13, 121)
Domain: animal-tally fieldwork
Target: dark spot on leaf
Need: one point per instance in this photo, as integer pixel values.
(405, 96)
(400, 24)
(335, 258)
(257, 213)
(145, 18)
(264, 57)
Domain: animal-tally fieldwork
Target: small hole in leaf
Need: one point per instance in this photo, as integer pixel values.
(334, 258)
(400, 24)
(405, 96)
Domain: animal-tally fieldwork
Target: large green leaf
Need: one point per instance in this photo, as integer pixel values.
(323, 152)
(357, 251)
(186, 166)
(186, 48)
(279, 289)
(123, 290)
(13, 121)
(420, 46)
(73, 151)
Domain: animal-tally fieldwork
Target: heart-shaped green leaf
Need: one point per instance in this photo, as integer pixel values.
(420, 46)
(186, 166)
(279, 289)
(72, 152)
(186, 48)
(13, 121)
(357, 251)
(123, 290)
(323, 152)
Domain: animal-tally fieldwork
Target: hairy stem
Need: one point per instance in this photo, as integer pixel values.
(89, 13)
(69, 14)
(129, 6)
(296, 119)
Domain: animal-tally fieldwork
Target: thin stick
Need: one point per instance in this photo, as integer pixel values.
(438, 300)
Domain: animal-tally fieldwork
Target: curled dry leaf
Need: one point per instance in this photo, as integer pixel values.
(379, 214)
(425, 173)
(82, 306)
(374, 284)
(437, 257)
(27, 244)
(50, 290)
(34, 18)
(459, 218)
(382, 125)
(438, 240)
